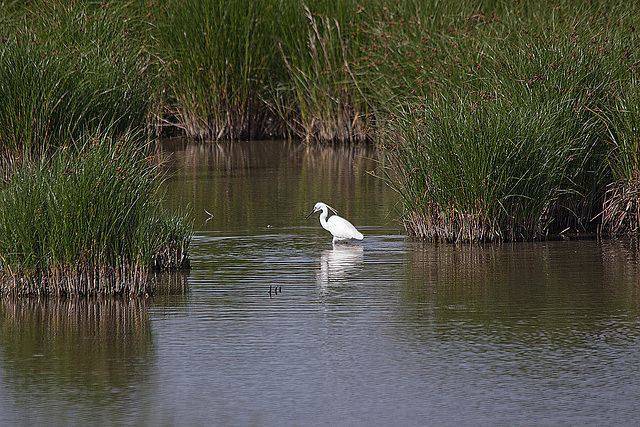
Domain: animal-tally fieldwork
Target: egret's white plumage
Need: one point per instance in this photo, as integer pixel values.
(340, 228)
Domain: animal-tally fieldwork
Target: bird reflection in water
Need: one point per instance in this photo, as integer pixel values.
(338, 262)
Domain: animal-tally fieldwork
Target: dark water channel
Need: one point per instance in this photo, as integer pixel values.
(381, 332)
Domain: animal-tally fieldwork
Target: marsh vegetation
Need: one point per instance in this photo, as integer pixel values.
(522, 123)
(80, 209)
(501, 120)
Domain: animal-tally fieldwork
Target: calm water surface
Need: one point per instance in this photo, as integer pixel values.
(279, 327)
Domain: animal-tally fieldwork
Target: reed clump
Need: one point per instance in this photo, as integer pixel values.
(80, 211)
(515, 131)
(67, 68)
(322, 99)
(621, 206)
(218, 59)
(87, 219)
(260, 69)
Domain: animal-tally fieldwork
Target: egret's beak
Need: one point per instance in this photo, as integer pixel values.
(310, 213)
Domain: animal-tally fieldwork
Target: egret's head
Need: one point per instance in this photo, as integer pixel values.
(319, 207)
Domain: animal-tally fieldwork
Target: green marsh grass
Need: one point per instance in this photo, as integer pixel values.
(324, 99)
(87, 220)
(505, 120)
(621, 209)
(67, 68)
(219, 56)
(249, 69)
(508, 135)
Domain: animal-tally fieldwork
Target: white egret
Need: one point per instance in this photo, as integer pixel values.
(340, 228)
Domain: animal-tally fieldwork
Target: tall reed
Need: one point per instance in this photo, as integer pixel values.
(247, 69)
(506, 136)
(621, 208)
(219, 56)
(87, 219)
(71, 67)
(506, 120)
(322, 99)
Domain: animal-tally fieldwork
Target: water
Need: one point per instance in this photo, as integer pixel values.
(280, 328)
